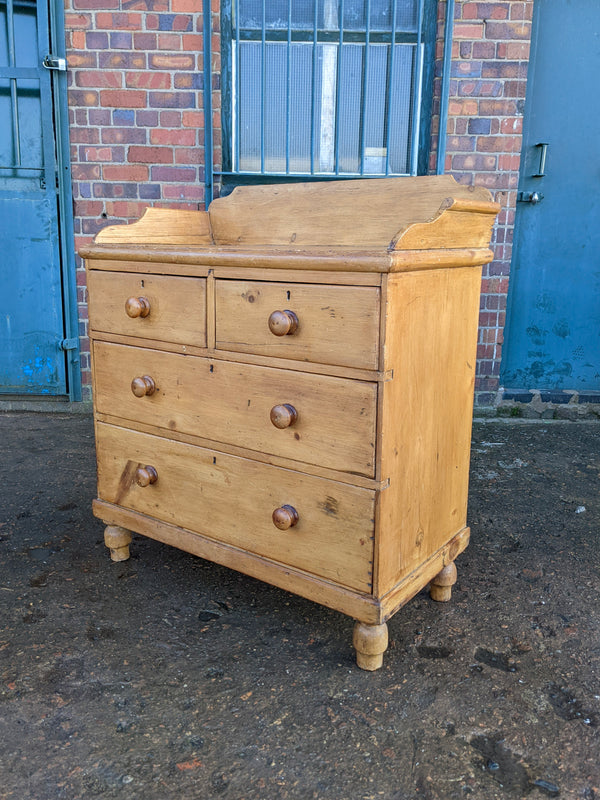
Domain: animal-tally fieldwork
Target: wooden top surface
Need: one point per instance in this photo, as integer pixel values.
(371, 220)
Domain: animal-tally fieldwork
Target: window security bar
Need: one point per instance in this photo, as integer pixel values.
(326, 88)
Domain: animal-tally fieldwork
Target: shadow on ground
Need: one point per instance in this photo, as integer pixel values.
(168, 677)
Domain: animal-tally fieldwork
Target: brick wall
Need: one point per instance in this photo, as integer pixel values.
(136, 115)
(490, 56)
(137, 124)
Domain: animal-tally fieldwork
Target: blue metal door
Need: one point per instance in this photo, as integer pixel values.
(32, 326)
(552, 336)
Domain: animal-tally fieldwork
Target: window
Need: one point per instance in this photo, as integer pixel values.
(327, 88)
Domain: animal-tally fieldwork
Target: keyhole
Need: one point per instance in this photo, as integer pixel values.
(289, 294)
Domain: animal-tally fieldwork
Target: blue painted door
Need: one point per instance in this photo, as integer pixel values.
(31, 294)
(552, 337)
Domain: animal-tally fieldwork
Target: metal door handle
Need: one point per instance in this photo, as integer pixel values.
(542, 167)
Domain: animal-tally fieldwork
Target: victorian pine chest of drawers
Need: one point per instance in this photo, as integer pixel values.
(284, 385)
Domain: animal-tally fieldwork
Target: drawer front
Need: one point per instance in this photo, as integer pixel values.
(228, 402)
(176, 306)
(233, 499)
(336, 324)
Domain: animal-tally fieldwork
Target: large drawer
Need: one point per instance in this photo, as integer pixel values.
(168, 308)
(335, 324)
(232, 500)
(229, 402)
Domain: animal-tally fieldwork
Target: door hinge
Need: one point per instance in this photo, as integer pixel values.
(55, 62)
(69, 344)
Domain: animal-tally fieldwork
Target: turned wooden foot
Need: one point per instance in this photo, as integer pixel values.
(440, 588)
(117, 539)
(371, 642)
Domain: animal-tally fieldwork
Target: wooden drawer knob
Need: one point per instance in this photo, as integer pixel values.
(283, 416)
(285, 517)
(143, 386)
(137, 307)
(144, 476)
(283, 323)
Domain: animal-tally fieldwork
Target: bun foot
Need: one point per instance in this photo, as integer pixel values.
(440, 588)
(370, 642)
(117, 539)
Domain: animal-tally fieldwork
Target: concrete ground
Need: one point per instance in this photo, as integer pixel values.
(168, 677)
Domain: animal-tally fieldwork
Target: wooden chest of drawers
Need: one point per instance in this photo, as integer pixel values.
(284, 385)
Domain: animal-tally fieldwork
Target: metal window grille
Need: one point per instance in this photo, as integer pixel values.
(326, 87)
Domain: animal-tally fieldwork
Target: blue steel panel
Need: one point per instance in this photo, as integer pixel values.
(553, 328)
(31, 296)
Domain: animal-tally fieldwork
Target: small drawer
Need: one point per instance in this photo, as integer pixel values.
(307, 322)
(161, 307)
(316, 419)
(313, 524)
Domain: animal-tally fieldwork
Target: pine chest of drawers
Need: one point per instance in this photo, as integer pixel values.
(284, 385)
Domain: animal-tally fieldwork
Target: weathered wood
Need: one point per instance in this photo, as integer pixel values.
(176, 306)
(285, 385)
(370, 642)
(356, 213)
(161, 226)
(230, 402)
(326, 324)
(232, 499)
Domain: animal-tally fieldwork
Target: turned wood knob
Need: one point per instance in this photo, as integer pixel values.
(137, 307)
(285, 517)
(283, 323)
(144, 476)
(143, 386)
(283, 416)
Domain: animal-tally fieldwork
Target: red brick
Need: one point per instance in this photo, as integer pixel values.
(123, 98)
(507, 30)
(85, 172)
(184, 192)
(173, 61)
(103, 153)
(144, 41)
(99, 79)
(173, 174)
(467, 30)
(125, 172)
(124, 209)
(84, 135)
(184, 137)
(81, 98)
(102, 5)
(114, 135)
(512, 125)
(78, 40)
(497, 108)
(463, 108)
(170, 119)
(151, 155)
(493, 10)
(79, 60)
(148, 80)
(78, 21)
(192, 155)
(515, 51)
(88, 208)
(187, 6)
(118, 22)
(192, 43)
(169, 41)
